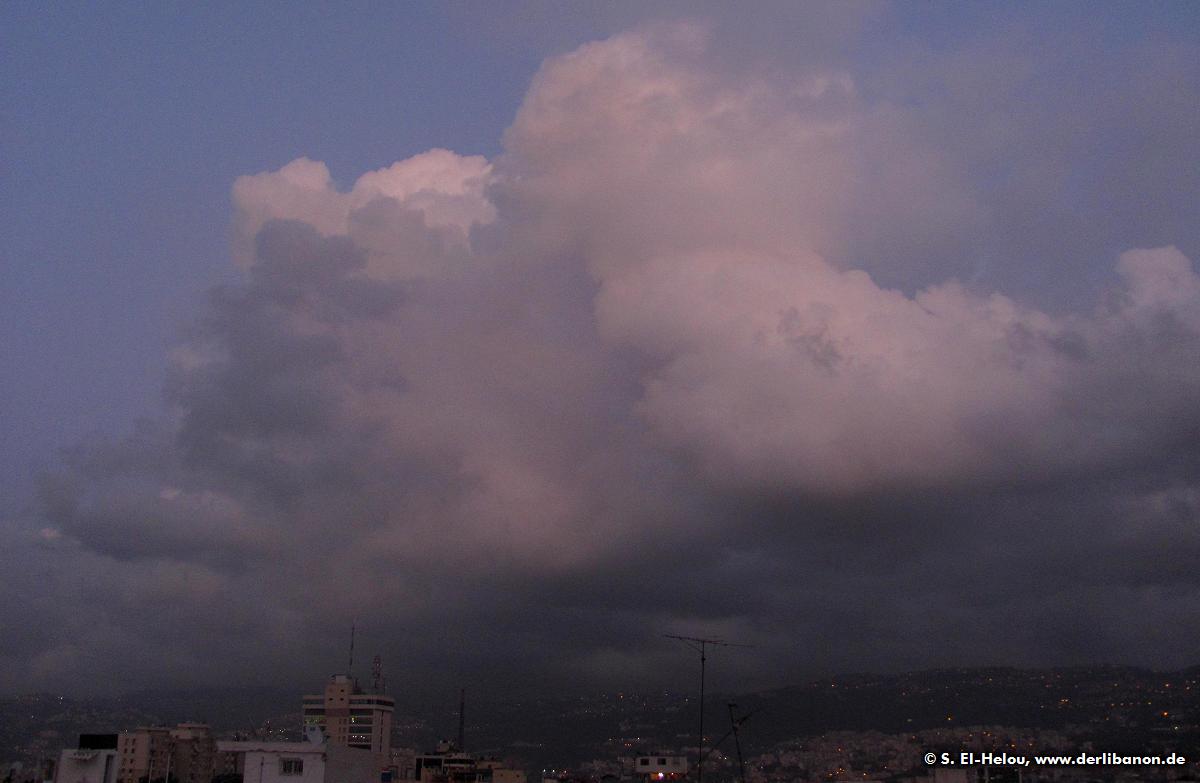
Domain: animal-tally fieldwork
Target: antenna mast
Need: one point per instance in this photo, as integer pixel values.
(350, 667)
(700, 645)
(734, 723)
(376, 673)
(462, 707)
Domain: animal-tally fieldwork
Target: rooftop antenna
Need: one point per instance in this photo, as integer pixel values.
(734, 723)
(376, 673)
(701, 645)
(462, 707)
(350, 667)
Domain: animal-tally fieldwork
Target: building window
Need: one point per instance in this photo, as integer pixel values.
(644, 762)
(291, 766)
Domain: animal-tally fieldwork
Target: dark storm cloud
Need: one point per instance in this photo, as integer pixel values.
(524, 416)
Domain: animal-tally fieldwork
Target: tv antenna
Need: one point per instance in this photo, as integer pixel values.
(701, 645)
(734, 724)
(462, 711)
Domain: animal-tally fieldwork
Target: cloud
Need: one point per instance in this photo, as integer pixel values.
(791, 372)
(625, 379)
(425, 205)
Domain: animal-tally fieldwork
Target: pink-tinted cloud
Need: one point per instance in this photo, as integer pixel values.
(626, 378)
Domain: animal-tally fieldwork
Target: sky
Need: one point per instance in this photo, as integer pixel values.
(521, 334)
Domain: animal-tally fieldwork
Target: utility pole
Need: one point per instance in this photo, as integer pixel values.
(700, 645)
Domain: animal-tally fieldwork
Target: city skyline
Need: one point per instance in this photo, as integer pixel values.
(518, 337)
(880, 725)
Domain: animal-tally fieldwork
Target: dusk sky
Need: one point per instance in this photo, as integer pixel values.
(521, 334)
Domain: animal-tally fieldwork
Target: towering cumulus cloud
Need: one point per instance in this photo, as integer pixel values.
(524, 415)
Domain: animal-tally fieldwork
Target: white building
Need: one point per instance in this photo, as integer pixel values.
(94, 761)
(653, 767)
(301, 762)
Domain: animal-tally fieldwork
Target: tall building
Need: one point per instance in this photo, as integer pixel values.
(185, 753)
(143, 753)
(351, 718)
(193, 752)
